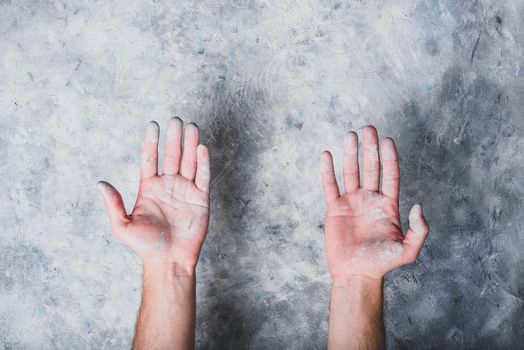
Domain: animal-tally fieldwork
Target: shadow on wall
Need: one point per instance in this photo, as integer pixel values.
(451, 160)
(452, 157)
(236, 131)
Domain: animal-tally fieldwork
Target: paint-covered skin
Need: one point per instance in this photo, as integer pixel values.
(363, 234)
(170, 219)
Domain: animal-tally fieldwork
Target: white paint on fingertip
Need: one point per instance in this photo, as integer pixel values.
(152, 132)
(415, 210)
(351, 145)
(191, 128)
(177, 120)
(325, 163)
(202, 151)
(387, 152)
(416, 220)
(173, 129)
(102, 186)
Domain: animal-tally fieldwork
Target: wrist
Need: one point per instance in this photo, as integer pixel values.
(357, 282)
(163, 269)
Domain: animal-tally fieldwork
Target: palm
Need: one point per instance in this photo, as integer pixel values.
(171, 214)
(170, 218)
(366, 237)
(363, 235)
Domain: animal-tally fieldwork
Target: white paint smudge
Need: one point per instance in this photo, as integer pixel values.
(416, 222)
(390, 252)
(183, 229)
(379, 214)
(372, 152)
(161, 241)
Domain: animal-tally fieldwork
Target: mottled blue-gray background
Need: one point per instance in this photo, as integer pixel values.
(271, 84)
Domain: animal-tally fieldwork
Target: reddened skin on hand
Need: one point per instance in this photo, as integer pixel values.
(363, 235)
(169, 221)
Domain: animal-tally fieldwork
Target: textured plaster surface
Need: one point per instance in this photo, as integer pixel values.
(271, 84)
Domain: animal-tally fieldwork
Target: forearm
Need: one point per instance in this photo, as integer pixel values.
(356, 314)
(167, 313)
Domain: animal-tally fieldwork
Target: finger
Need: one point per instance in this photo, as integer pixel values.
(173, 148)
(390, 169)
(189, 159)
(371, 172)
(149, 156)
(329, 181)
(114, 205)
(202, 172)
(416, 235)
(351, 170)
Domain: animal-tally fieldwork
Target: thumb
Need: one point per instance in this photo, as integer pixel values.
(114, 205)
(416, 235)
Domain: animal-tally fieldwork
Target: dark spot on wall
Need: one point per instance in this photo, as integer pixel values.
(22, 265)
(293, 122)
(273, 229)
(236, 132)
(300, 61)
(448, 145)
(498, 24)
(432, 47)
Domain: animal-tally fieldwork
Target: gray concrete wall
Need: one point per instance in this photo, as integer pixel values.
(271, 84)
